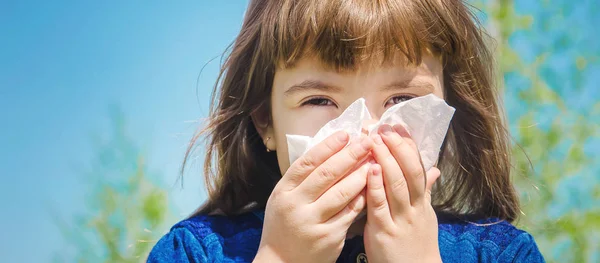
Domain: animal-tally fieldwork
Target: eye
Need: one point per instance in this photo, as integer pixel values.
(318, 102)
(397, 99)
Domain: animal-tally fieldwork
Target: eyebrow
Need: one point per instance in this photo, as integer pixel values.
(311, 85)
(406, 84)
(319, 85)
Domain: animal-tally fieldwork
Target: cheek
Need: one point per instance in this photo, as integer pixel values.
(439, 92)
(440, 89)
(306, 122)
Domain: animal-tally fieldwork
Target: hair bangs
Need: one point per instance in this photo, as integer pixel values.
(343, 34)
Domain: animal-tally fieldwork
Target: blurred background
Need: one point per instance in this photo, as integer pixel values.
(98, 100)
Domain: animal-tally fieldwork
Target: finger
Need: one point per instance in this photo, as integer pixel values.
(408, 139)
(332, 170)
(409, 161)
(378, 210)
(432, 175)
(342, 193)
(404, 134)
(395, 185)
(309, 161)
(349, 213)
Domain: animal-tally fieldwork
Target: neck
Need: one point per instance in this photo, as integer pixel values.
(357, 228)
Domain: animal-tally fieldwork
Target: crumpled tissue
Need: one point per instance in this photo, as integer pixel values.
(425, 118)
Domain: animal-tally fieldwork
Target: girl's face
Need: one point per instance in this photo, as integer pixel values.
(308, 95)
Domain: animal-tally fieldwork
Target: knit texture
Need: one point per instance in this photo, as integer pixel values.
(235, 239)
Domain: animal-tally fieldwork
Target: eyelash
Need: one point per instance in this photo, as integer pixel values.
(402, 97)
(318, 102)
(321, 101)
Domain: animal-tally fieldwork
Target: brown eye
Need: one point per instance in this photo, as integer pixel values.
(397, 99)
(318, 102)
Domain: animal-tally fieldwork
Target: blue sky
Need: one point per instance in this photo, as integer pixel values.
(63, 65)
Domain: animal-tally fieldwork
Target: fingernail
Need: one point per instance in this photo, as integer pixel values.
(377, 139)
(366, 143)
(342, 136)
(401, 130)
(386, 129)
(375, 170)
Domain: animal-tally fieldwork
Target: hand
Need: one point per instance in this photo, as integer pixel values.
(401, 223)
(315, 202)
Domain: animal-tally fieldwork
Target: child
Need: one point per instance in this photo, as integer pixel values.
(297, 64)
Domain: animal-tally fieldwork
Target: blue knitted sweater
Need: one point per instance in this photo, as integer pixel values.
(235, 239)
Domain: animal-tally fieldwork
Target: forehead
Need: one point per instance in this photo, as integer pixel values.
(310, 73)
(312, 65)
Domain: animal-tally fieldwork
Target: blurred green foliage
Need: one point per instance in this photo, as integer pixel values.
(126, 209)
(553, 174)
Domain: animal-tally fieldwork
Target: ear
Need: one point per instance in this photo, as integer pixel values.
(264, 126)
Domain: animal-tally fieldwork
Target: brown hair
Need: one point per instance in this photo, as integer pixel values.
(474, 160)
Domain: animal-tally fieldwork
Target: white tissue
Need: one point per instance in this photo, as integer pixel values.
(425, 118)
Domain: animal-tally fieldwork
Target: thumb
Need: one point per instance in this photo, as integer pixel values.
(432, 175)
